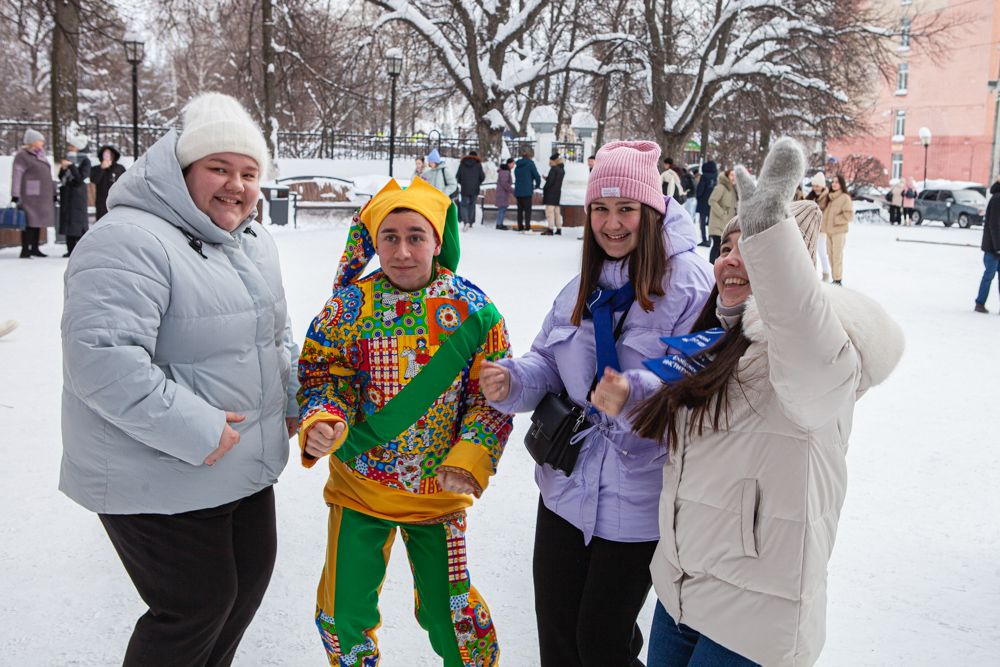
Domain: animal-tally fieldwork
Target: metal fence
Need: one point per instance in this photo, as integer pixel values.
(323, 143)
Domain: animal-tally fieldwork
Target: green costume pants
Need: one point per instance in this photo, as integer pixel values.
(455, 617)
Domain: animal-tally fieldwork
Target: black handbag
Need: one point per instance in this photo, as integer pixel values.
(555, 421)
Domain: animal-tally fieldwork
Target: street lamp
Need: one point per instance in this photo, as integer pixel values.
(394, 66)
(134, 46)
(925, 139)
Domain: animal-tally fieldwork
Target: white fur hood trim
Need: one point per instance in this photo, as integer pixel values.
(877, 337)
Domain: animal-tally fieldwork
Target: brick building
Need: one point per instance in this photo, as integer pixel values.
(952, 97)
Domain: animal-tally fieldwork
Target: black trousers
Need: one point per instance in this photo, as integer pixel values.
(587, 597)
(203, 575)
(713, 252)
(524, 213)
(71, 242)
(30, 237)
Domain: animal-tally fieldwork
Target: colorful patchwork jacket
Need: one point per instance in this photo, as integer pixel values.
(369, 341)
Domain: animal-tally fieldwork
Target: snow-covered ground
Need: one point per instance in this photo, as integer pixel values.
(915, 577)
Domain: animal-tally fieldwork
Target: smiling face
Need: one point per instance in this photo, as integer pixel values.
(730, 272)
(615, 225)
(225, 187)
(406, 247)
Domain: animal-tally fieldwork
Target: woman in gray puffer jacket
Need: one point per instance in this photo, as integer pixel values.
(179, 394)
(758, 474)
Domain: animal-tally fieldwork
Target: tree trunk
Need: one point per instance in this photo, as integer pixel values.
(673, 146)
(64, 75)
(267, 49)
(601, 112)
(489, 138)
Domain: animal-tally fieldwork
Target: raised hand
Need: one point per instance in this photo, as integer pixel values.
(765, 203)
(494, 381)
(611, 392)
(229, 438)
(322, 438)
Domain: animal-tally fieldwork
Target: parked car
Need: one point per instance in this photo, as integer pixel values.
(966, 207)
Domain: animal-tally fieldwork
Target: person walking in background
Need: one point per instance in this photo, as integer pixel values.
(909, 201)
(74, 172)
(526, 179)
(552, 194)
(706, 185)
(418, 168)
(990, 247)
(104, 176)
(670, 182)
(179, 391)
(391, 393)
(688, 186)
(758, 436)
(838, 211)
(596, 527)
(437, 174)
(470, 178)
(590, 163)
(895, 198)
(504, 192)
(32, 191)
(722, 205)
(819, 194)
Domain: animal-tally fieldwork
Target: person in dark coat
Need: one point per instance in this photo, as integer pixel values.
(470, 176)
(74, 170)
(32, 191)
(990, 247)
(104, 176)
(707, 182)
(526, 179)
(505, 190)
(552, 193)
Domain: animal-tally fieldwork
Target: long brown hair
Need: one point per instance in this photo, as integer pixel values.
(647, 264)
(704, 394)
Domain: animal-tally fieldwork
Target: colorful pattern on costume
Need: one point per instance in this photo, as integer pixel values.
(370, 340)
(362, 655)
(446, 603)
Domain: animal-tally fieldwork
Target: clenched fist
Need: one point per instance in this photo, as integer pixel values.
(322, 437)
(494, 381)
(457, 481)
(610, 393)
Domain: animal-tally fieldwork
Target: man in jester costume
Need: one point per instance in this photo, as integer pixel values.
(389, 379)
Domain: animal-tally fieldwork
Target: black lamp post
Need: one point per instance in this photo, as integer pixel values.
(134, 46)
(394, 66)
(925, 139)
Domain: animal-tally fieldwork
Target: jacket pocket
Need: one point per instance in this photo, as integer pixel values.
(749, 500)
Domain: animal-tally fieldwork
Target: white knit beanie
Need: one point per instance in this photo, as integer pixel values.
(217, 123)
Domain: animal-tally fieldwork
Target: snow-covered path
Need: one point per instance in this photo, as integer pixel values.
(915, 578)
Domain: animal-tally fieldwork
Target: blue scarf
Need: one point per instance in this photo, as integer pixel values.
(691, 358)
(602, 305)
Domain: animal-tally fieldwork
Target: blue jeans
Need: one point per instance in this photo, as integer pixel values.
(992, 265)
(501, 212)
(672, 645)
(467, 209)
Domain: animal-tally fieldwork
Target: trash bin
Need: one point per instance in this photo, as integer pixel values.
(277, 198)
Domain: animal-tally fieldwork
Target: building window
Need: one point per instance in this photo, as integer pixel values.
(899, 125)
(904, 34)
(902, 78)
(897, 166)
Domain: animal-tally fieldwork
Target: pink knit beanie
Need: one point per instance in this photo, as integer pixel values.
(627, 170)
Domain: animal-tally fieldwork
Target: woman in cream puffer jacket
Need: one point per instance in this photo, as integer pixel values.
(753, 491)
